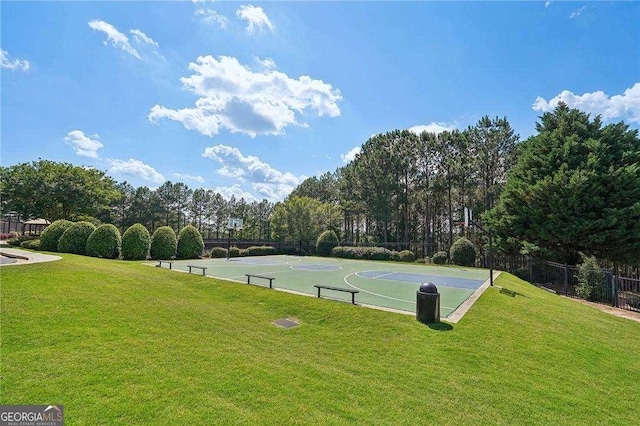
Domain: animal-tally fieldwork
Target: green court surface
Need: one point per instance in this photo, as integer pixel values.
(383, 284)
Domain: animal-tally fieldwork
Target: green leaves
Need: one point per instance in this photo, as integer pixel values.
(53, 190)
(574, 189)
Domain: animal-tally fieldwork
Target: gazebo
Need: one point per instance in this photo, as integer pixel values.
(34, 226)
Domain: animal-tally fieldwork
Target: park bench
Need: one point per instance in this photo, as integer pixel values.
(204, 268)
(249, 276)
(346, 290)
(160, 262)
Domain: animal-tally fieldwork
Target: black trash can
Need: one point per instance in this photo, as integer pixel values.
(428, 304)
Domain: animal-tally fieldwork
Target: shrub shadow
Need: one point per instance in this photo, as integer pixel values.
(511, 293)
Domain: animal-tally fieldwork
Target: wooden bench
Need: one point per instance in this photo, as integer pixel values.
(160, 262)
(204, 268)
(346, 290)
(260, 276)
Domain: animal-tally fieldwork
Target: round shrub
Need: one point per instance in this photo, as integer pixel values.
(163, 243)
(395, 255)
(190, 244)
(326, 242)
(407, 256)
(234, 252)
(50, 237)
(135, 242)
(440, 258)
(30, 244)
(463, 253)
(260, 251)
(104, 242)
(218, 252)
(74, 239)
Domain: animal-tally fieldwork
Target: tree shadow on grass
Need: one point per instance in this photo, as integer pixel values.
(511, 293)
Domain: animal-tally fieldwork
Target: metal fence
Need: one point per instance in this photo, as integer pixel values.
(595, 284)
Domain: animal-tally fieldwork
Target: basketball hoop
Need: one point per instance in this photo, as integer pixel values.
(235, 224)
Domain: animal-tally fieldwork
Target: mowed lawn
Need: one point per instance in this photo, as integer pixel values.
(124, 343)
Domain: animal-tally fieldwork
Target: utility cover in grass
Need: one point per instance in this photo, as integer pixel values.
(286, 323)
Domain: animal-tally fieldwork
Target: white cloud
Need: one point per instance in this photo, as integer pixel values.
(266, 64)
(227, 191)
(255, 17)
(625, 106)
(547, 3)
(141, 37)
(83, 144)
(210, 16)
(271, 183)
(16, 64)
(577, 12)
(351, 155)
(431, 128)
(234, 97)
(118, 39)
(181, 176)
(136, 168)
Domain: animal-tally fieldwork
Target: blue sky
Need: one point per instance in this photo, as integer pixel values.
(250, 98)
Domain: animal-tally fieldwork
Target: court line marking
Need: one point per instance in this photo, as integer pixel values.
(412, 282)
(377, 276)
(382, 295)
(312, 269)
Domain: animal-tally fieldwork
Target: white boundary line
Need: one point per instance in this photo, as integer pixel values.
(377, 276)
(303, 268)
(378, 294)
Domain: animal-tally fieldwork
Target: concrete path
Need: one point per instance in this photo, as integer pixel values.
(24, 257)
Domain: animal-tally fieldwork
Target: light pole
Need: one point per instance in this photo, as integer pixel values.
(468, 220)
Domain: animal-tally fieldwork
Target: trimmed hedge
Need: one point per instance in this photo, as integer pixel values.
(20, 239)
(164, 243)
(104, 242)
(440, 258)
(50, 237)
(326, 242)
(234, 252)
(135, 242)
(407, 256)
(261, 251)
(30, 244)
(74, 239)
(190, 243)
(463, 252)
(218, 252)
(370, 253)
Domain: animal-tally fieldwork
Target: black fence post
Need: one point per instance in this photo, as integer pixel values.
(566, 279)
(614, 291)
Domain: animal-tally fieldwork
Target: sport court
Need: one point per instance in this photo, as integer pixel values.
(388, 285)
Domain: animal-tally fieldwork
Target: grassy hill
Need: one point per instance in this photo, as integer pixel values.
(122, 342)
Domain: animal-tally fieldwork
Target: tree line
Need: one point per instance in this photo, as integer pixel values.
(54, 190)
(408, 191)
(573, 187)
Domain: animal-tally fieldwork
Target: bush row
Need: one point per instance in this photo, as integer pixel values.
(135, 244)
(219, 252)
(372, 253)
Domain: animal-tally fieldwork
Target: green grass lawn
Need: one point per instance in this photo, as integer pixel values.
(126, 343)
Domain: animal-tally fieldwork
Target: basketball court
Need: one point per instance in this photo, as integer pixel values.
(387, 285)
